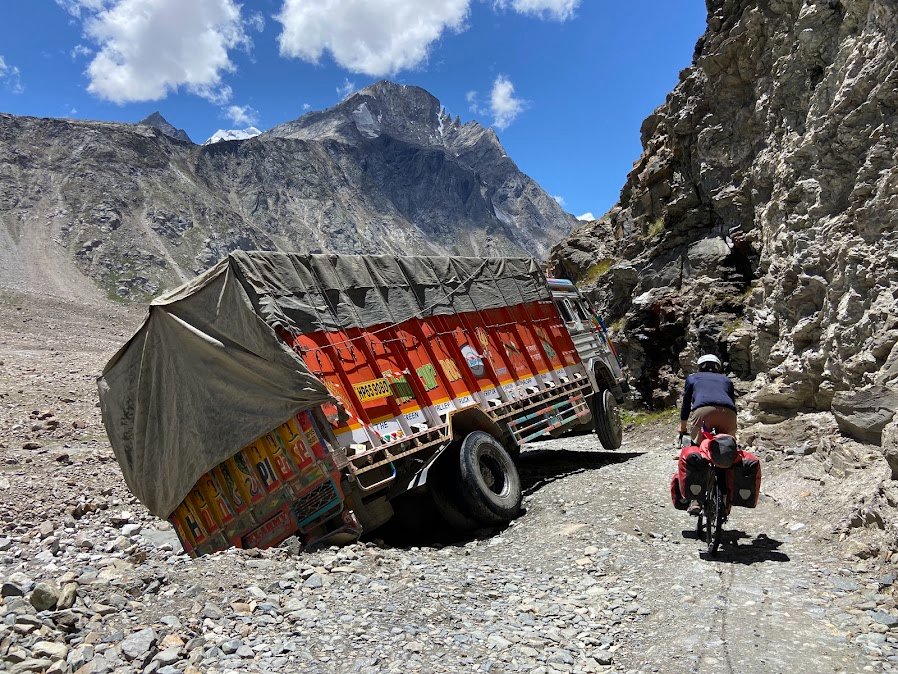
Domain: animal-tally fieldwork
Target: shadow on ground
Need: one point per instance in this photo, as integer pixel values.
(541, 467)
(417, 522)
(761, 548)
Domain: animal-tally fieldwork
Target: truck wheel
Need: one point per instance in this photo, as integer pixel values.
(607, 420)
(443, 484)
(489, 483)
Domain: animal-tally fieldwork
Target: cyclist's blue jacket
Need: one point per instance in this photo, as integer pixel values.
(707, 388)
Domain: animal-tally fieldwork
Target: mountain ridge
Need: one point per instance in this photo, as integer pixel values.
(132, 210)
(157, 121)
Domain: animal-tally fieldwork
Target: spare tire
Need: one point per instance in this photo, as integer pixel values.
(489, 484)
(607, 419)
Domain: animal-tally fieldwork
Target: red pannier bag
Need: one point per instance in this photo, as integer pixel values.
(745, 486)
(743, 469)
(678, 501)
(743, 477)
(689, 481)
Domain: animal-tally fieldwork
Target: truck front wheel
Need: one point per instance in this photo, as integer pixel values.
(607, 419)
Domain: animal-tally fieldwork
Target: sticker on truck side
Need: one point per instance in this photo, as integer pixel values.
(373, 390)
(416, 417)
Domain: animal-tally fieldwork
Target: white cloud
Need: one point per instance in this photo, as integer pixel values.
(80, 50)
(585, 217)
(256, 22)
(149, 48)
(504, 105)
(373, 37)
(77, 7)
(242, 115)
(306, 106)
(10, 77)
(345, 89)
(559, 199)
(218, 95)
(560, 10)
(473, 102)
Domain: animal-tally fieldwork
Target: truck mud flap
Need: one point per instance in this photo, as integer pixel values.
(420, 478)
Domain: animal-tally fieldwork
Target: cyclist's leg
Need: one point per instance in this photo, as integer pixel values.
(696, 419)
(721, 418)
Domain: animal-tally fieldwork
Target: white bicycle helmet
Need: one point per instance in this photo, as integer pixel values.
(708, 359)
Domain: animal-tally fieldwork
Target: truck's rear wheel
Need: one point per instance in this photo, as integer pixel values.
(443, 484)
(488, 480)
(607, 419)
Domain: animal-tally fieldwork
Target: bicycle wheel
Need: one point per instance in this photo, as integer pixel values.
(716, 515)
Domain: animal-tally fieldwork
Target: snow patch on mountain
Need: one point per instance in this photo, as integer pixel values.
(232, 134)
(364, 121)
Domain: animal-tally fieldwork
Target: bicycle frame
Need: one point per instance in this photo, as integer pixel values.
(715, 506)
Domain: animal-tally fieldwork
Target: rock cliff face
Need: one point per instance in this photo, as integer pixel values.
(134, 209)
(761, 221)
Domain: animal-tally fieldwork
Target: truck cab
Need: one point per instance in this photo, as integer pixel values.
(597, 352)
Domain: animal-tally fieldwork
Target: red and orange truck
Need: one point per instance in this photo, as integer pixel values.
(281, 394)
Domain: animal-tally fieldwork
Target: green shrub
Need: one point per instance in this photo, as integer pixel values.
(655, 229)
(595, 271)
(638, 418)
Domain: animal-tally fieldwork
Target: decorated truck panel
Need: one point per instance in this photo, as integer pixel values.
(400, 359)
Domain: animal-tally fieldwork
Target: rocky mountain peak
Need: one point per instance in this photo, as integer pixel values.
(157, 121)
(403, 109)
(400, 111)
(385, 171)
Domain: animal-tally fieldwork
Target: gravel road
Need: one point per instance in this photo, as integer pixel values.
(599, 574)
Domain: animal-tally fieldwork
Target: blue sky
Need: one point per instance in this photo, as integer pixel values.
(566, 83)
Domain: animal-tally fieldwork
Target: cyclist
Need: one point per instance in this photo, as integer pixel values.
(709, 400)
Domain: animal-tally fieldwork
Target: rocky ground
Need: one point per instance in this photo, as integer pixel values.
(600, 574)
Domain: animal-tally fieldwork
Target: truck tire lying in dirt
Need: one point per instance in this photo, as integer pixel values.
(607, 420)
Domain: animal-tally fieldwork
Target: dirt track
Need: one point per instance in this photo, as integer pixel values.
(599, 574)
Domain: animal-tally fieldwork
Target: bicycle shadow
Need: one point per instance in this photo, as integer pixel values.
(761, 548)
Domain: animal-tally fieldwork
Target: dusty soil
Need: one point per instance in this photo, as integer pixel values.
(600, 573)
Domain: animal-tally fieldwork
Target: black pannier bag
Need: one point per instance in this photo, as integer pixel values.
(695, 476)
(747, 482)
(723, 451)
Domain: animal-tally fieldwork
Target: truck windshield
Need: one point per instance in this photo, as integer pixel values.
(581, 311)
(563, 310)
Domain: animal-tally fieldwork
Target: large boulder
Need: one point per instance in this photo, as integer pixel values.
(766, 196)
(863, 414)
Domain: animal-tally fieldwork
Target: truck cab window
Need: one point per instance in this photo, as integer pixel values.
(564, 311)
(581, 311)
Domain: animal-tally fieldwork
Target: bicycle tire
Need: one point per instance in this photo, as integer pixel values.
(715, 525)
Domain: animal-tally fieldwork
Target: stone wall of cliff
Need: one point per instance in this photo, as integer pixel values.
(761, 220)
